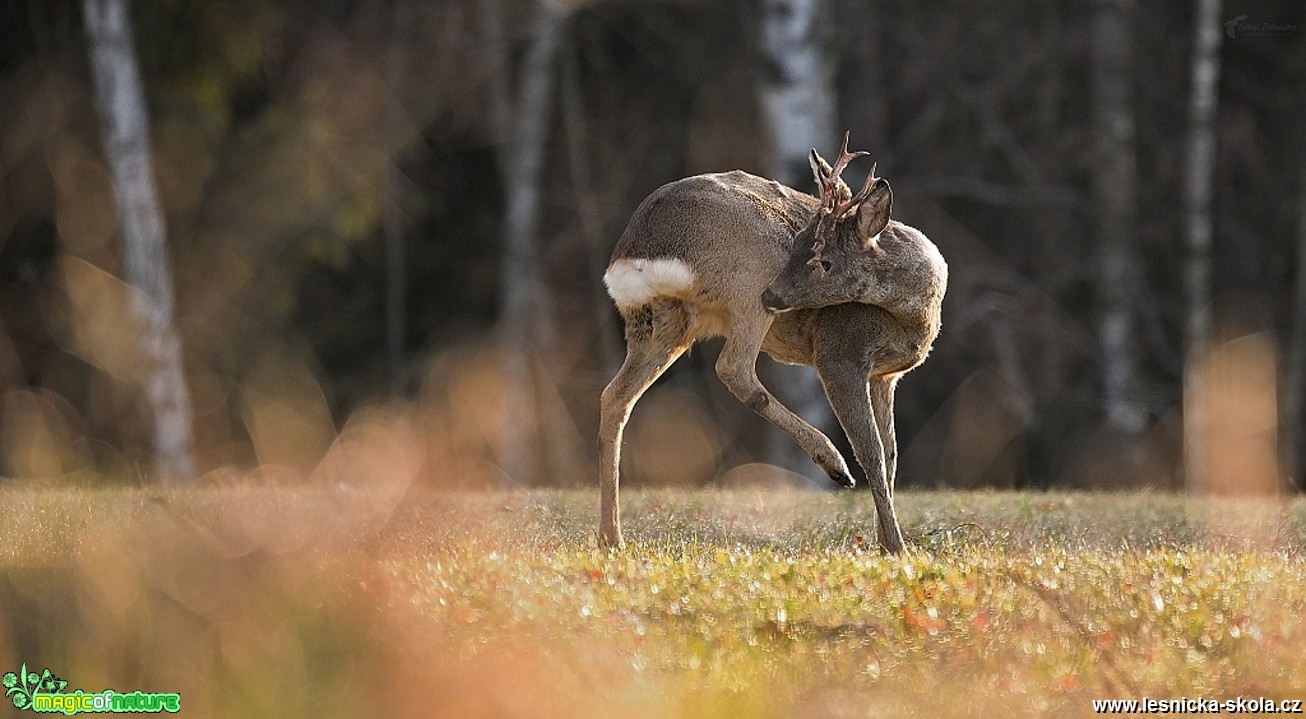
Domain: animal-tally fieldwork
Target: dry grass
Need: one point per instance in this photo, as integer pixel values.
(260, 602)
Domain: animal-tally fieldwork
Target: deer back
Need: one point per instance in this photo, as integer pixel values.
(715, 239)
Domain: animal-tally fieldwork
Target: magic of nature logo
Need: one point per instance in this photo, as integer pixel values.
(45, 693)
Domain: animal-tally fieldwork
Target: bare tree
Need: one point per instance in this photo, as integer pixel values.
(124, 127)
(1203, 97)
(392, 224)
(522, 123)
(1294, 381)
(1116, 184)
(588, 221)
(798, 100)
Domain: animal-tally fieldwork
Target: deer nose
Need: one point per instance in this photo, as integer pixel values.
(772, 302)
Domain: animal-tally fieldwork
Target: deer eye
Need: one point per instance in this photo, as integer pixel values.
(819, 266)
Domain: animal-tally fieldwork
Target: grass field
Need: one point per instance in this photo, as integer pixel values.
(258, 602)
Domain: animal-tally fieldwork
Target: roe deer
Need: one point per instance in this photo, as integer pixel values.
(831, 283)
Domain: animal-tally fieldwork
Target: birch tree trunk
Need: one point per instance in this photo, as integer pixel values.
(392, 228)
(597, 249)
(798, 100)
(1116, 182)
(1294, 380)
(124, 128)
(1202, 102)
(392, 222)
(524, 122)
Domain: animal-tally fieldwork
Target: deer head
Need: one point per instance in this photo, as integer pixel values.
(833, 258)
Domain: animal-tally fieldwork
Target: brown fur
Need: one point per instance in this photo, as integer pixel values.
(737, 232)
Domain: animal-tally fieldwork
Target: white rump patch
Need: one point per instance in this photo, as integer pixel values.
(634, 281)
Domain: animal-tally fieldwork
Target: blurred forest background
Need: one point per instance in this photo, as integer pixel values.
(367, 201)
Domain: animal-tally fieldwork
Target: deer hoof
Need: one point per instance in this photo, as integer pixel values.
(843, 479)
(610, 540)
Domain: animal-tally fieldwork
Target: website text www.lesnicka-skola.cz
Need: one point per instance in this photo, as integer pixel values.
(1240, 705)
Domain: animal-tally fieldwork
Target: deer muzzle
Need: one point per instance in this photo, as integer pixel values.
(774, 303)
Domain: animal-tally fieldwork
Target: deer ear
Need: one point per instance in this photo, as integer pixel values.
(873, 212)
(820, 168)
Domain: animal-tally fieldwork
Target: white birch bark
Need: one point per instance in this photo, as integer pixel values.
(124, 125)
(526, 120)
(1202, 101)
(798, 100)
(796, 84)
(1116, 182)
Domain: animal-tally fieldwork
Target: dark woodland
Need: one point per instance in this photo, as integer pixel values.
(405, 208)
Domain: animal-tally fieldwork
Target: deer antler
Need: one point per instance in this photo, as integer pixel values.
(830, 185)
(861, 195)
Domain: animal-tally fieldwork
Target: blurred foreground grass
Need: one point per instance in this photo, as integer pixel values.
(263, 602)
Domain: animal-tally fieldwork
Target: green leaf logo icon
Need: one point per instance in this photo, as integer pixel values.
(19, 687)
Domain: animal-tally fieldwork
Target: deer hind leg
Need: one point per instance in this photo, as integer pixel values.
(656, 335)
(847, 388)
(737, 368)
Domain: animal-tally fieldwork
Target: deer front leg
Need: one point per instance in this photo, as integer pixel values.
(737, 368)
(882, 389)
(846, 387)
